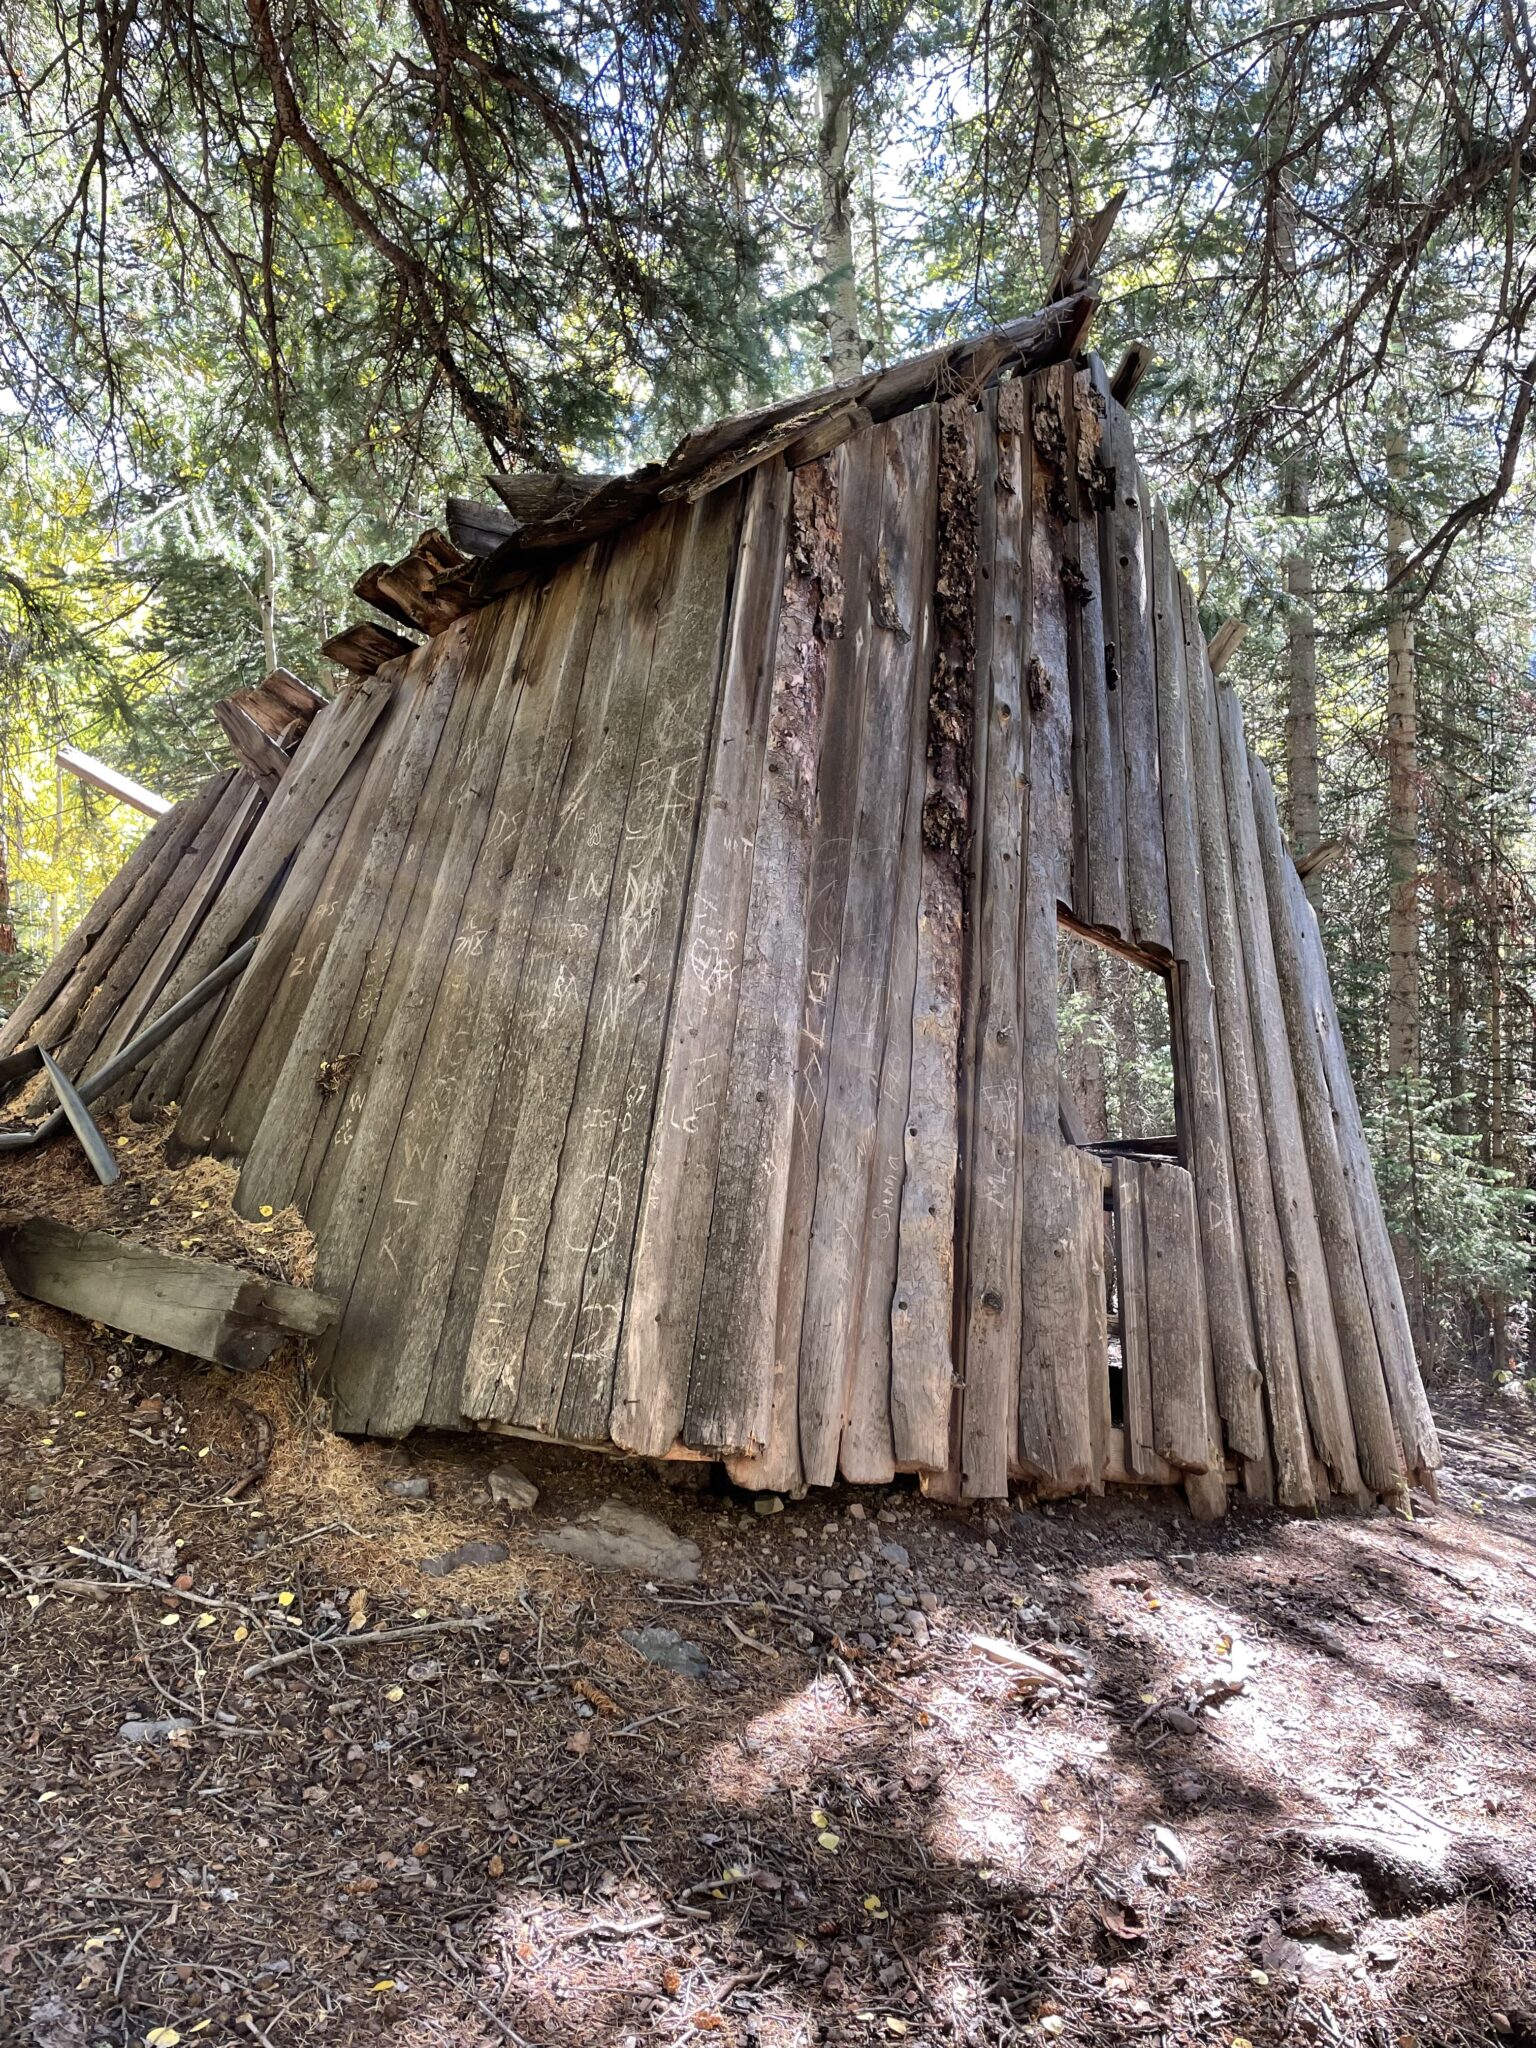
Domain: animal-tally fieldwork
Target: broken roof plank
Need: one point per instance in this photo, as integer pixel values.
(364, 648)
(955, 369)
(213, 1311)
(123, 787)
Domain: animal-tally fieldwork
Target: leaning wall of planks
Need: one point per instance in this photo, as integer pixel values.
(654, 1014)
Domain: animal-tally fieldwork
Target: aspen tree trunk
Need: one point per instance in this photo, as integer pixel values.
(1301, 769)
(1496, 1302)
(1402, 790)
(845, 348)
(1402, 842)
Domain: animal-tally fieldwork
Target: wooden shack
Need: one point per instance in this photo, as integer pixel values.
(654, 1009)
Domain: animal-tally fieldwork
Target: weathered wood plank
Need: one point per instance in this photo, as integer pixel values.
(1369, 1408)
(213, 1311)
(144, 996)
(1226, 1283)
(1095, 1337)
(389, 966)
(1135, 1356)
(568, 1367)
(1172, 1265)
(730, 1388)
(1134, 668)
(1251, 1141)
(227, 1050)
(1092, 600)
(880, 1412)
(480, 1088)
(1394, 1334)
(781, 1460)
(1317, 1346)
(49, 1010)
(1055, 1429)
(667, 1267)
(118, 986)
(288, 1146)
(567, 942)
(340, 731)
(901, 483)
(923, 1406)
(250, 1097)
(371, 1221)
(382, 1358)
(167, 833)
(991, 1336)
(800, 1432)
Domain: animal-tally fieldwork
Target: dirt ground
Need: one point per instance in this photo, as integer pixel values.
(1086, 1773)
(1282, 1791)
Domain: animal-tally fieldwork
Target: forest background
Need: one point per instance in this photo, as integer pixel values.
(275, 277)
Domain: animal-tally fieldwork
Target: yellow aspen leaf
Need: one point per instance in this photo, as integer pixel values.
(830, 1841)
(285, 1599)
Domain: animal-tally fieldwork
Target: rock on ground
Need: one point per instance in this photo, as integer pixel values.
(31, 1367)
(620, 1538)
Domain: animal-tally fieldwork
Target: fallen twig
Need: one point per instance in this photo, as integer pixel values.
(359, 1642)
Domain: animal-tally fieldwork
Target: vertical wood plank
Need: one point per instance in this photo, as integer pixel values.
(1091, 600)
(1172, 1263)
(782, 1459)
(550, 754)
(1394, 1334)
(104, 928)
(1135, 674)
(592, 1234)
(229, 1049)
(119, 985)
(900, 579)
(1135, 1358)
(667, 1269)
(1370, 1412)
(731, 1380)
(1055, 1432)
(312, 1088)
(922, 1318)
(1226, 1283)
(885, 1424)
(1317, 1346)
(247, 806)
(1251, 1138)
(573, 912)
(340, 730)
(989, 1421)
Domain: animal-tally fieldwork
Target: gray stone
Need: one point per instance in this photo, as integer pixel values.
(767, 1504)
(154, 1731)
(896, 1554)
(465, 1554)
(512, 1488)
(619, 1538)
(408, 1489)
(31, 1367)
(664, 1646)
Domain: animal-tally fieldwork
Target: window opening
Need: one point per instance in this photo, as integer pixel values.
(1119, 1097)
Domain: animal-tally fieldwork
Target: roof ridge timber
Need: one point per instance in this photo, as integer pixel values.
(506, 549)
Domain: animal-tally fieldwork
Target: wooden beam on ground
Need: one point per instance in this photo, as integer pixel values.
(213, 1311)
(123, 787)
